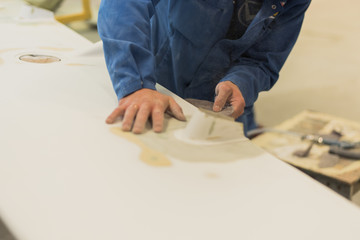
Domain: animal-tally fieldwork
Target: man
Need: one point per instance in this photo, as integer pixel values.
(218, 50)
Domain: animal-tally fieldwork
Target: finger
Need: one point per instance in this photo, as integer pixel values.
(176, 110)
(157, 117)
(118, 112)
(129, 116)
(141, 118)
(238, 104)
(238, 108)
(223, 95)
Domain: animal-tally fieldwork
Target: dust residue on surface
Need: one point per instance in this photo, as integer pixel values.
(78, 64)
(9, 50)
(166, 144)
(211, 175)
(57, 49)
(147, 155)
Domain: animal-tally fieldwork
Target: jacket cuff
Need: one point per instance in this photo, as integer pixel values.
(124, 89)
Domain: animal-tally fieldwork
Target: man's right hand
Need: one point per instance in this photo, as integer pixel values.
(137, 107)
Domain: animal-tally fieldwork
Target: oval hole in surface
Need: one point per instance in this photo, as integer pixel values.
(39, 58)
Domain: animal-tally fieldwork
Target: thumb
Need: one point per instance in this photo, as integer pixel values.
(223, 94)
(176, 110)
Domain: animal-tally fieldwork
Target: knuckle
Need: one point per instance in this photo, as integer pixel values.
(226, 87)
(121, 101)
(157, 112)
(142, 115)
(119, 108)
(144, 107)
(126, 122)
(160, 105)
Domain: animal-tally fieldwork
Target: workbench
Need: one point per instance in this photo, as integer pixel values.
(64, 174)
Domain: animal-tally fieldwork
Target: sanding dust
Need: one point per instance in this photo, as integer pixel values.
(211, 175)
(160, 145)
(9, 50)
(147, 155)
(57, 49)
(78, 64)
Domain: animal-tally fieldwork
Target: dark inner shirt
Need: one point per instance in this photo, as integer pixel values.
(244, 12)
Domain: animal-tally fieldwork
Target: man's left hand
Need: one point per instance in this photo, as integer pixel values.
(228, 92)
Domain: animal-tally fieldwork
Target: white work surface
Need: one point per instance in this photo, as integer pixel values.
(64, 175)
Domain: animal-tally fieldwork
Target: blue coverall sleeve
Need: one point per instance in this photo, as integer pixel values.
(124, 27)
(258, 68)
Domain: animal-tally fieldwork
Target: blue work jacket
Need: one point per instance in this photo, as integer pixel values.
(182, 45)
